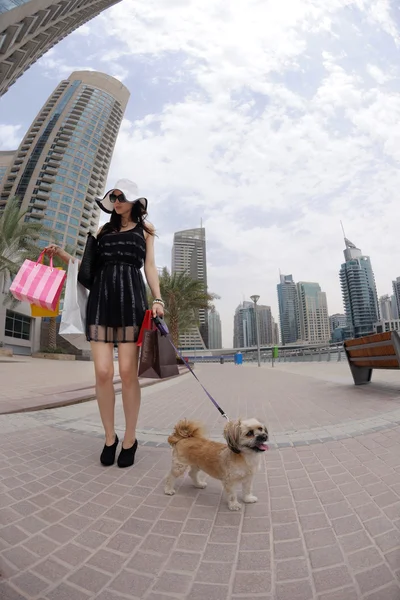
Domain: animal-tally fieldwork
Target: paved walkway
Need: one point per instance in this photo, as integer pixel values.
(34, 383)
(326, 526)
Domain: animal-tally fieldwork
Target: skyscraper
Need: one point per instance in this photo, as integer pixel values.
(288, 309)
(386, 308)
(396, 293)
(244, 326)
(214, 330)
(313, 313)
(62, 163)
(189, 256)
(29, 28)
(360, 299)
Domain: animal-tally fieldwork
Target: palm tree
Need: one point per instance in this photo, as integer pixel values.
(183, 297)
(18, 241)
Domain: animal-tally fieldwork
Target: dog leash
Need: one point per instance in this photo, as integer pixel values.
(162, 328)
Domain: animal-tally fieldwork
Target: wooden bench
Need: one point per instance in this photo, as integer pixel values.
(376, 351)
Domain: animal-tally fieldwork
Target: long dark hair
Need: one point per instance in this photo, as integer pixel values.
(138, 215)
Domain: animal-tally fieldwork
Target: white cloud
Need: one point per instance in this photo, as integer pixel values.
(10, 136)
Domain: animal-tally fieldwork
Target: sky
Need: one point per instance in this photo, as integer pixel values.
(269, 121)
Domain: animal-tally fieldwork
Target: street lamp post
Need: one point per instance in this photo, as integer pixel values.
(255, 299)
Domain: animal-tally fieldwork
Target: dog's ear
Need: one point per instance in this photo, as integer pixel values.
(232, 436)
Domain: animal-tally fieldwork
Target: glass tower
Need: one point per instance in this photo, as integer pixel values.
(62, 163)
(189, 256)
(288, 309)
(360, 298)
(29, 28)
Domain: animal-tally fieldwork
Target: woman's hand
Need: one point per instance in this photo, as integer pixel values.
(52, 250)
(158, 310)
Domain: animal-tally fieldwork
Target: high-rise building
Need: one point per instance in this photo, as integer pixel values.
(189, 256)
(265, 322)
(29, 28)
(62, 163)
(214, 330)
(386, 308)
(244, 326)
(6, 157)
(360, 298)
(313, 313)
(288, 309)
(396, 294)
(338, 320)
(275, 329)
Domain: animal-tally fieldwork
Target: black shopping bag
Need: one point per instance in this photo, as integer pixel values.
(157, 357)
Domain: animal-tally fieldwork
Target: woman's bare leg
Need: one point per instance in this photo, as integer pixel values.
(128, 371)
(103, 357)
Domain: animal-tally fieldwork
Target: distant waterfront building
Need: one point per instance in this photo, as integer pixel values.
(244, 326)
(396, 294)
(62, 163)
(337, 320)
(387, 325)
(214, 330)
(245, 333)
(313, 313)
(29, 28)
(386, 308)
(189, 256)
(360, 298)
(288, 309)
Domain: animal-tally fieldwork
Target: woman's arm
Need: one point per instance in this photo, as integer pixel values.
(151, 273)
(54, 250)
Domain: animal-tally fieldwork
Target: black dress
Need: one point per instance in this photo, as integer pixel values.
(118, 301)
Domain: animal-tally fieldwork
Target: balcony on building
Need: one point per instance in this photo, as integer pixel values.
(41, 193)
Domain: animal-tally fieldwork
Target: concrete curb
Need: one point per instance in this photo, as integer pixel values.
(80, 395)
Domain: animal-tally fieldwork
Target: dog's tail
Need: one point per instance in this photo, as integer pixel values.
(186, 429)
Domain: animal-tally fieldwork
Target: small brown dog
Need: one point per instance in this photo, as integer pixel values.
(232, 463)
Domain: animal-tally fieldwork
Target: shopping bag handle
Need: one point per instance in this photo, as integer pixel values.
(41, 259)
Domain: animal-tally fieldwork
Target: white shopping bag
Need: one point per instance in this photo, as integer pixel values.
(72, 327)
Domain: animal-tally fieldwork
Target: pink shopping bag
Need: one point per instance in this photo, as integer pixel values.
(38, 284)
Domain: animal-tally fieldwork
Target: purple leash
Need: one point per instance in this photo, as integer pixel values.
(162, 328)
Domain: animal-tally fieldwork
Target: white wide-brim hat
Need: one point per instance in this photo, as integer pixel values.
(130, 191)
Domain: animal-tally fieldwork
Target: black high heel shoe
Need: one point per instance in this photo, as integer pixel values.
(107, 457)
(126, 457)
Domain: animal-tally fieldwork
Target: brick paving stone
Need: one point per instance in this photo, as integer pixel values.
(30, 584)
(298, 590)
(64, 591)
(89, 579)
(51, 570)
(252, 583)
(326, 557)
(374, 578)
(201, 591)
(131, 583)
(346, 593)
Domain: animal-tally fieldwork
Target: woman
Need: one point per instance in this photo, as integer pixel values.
(116, 307)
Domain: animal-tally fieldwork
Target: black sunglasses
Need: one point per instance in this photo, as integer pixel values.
(113, 198)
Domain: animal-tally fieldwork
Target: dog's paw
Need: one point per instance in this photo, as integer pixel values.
(250, 499)
(200, 485)
(169, 491)
(234, 506)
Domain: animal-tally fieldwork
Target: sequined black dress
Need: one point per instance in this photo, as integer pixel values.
(117, 301)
